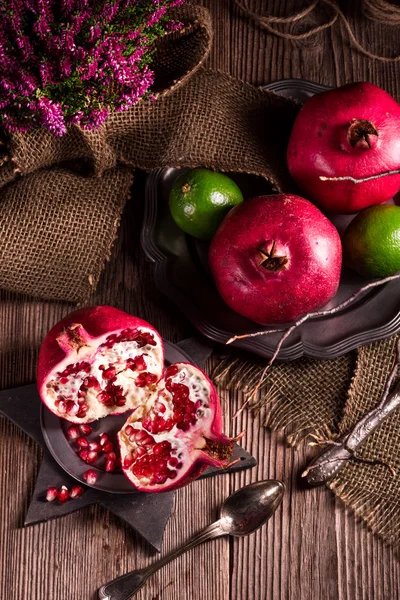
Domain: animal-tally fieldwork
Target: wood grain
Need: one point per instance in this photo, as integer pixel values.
(314, 549)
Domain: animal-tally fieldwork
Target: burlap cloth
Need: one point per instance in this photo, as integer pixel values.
(60, 204)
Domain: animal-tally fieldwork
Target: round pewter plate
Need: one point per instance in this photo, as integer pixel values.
(181, 272)
(65, 452)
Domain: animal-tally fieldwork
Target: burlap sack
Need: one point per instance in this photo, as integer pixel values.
(199, 118)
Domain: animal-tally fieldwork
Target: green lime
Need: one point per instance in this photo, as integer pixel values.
(371, 243)
(200, 199)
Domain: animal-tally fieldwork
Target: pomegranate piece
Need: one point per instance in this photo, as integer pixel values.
(89, 362)
(51, 494)
(90, 477)
(179, 436)
(275, 258)
(353, 130)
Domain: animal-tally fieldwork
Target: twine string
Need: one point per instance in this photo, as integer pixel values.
(378, 11)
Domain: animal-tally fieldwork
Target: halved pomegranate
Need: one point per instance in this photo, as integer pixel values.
(101, 361)
(180, 434)
(98, 361)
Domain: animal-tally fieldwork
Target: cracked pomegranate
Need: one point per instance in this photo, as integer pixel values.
(100, 361)
(344, 150)
(276, 258)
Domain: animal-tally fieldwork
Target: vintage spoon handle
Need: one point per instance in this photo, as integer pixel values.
(328, 464)
(126, 586)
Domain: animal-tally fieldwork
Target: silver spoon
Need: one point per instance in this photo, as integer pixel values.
(242, 513)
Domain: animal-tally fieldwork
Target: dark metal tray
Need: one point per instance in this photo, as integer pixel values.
(181, 272)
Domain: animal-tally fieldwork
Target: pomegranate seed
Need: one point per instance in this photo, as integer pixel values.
(172, 474)
(173, 461)
(104, 398)
(151, 378)
(51, 494)
(140, 363)
(140, 380)
(111, 456)
(159, 478)
(90, 477)
(161, 408)
(82, 442)
(85, 429)
(104, 438)
(162, 448)
(76, 491)
(63, 494)
(109, 373)
(120, 401)
(72, 432)
(128, 462)
(61, 406)
(129, 430)
(108, 447)
(72, 408)
(140, 451)
(95, 446)
(171, 371)
(110, 466)
(83, 454)
(82, 411)
(91, 457)
(91, 381)
(64, 380)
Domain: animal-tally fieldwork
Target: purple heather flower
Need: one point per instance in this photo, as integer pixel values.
(81, 51)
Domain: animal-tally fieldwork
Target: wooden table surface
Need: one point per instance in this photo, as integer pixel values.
(314, 549)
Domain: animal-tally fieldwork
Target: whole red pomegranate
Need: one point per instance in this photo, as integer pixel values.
(275, 258)
(344, 144)
(101, 361)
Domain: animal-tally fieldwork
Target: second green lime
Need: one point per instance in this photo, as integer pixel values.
(371, 242)
(200, 199)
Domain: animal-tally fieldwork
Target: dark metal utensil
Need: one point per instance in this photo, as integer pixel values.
(242, 513)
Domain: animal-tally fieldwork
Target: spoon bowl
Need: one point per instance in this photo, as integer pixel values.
(250, 507)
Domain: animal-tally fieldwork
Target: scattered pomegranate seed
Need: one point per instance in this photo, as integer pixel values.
(76, 492)
(103, 439)
(63, 494)
(90, 477)
(51, 494)
(82, 442)
(111, 456)
(95, 446)
(110, 465)
(85, 429)
(72, 432)
(83, 454)
(108, 447)
(91, 457)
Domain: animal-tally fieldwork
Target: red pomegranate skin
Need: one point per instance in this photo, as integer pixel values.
(319, 146)
(302, 234)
